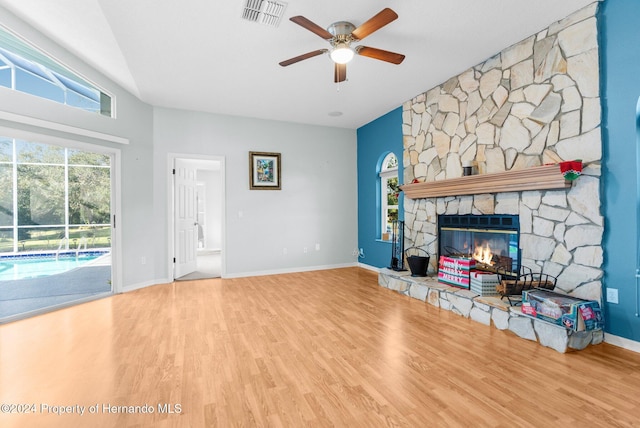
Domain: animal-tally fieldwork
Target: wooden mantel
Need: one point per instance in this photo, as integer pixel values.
(544, 177)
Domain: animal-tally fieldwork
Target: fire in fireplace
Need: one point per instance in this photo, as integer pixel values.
(493, 240)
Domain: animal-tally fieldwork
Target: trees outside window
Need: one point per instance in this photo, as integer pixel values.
(389, 190)
(52, 196)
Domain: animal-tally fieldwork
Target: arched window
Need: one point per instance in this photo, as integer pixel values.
(388, 193)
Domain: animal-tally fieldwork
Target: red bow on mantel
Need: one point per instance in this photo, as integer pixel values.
(571, 169)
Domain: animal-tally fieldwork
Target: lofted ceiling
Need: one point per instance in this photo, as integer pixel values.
(201, 55)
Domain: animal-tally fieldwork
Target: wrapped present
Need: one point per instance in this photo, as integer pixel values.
(568, 311)
(455, 271)
(484, 283)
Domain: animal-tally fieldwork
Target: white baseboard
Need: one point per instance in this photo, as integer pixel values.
(622, 342)
(207, 251)
(145, 284)
(369, 267)
(288, 270)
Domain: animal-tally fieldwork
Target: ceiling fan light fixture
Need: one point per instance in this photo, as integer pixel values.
(340, 36)
(342, 53)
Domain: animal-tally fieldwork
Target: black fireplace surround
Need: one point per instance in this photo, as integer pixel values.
(464, 235)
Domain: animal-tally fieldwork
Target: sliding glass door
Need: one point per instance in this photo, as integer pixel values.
(55, 230)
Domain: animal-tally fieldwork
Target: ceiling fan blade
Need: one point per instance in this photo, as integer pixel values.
(340, 73)
(383, 17)
(313, 27)
(382, 55)
(303, 57)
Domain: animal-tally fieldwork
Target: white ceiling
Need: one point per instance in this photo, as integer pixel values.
(200, 55)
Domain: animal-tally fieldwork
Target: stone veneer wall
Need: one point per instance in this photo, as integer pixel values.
(534, 103)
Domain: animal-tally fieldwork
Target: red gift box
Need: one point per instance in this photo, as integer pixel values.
(455, 271)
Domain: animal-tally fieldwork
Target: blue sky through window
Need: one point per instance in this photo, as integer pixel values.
(24, 68)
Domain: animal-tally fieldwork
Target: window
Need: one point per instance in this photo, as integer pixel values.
(24, 68)
(53, 197)
(389, 189)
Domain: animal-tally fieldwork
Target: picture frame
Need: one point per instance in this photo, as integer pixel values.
(264, 171)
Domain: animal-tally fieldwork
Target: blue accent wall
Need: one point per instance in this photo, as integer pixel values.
(375, 140)
(619, 22)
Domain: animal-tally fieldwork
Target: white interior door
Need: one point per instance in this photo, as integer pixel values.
(185, 215)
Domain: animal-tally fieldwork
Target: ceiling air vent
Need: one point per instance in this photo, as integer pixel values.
(265, 12)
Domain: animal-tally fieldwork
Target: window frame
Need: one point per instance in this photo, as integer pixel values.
(386, 173)
(19, 56)
(14, 162)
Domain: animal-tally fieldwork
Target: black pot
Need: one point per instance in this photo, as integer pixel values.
(418, 264)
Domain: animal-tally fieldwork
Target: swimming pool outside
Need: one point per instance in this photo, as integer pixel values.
(38, 265)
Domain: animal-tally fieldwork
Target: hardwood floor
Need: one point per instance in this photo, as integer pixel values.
(325, 348)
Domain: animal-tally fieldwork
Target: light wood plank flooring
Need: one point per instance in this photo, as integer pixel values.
(325, 348)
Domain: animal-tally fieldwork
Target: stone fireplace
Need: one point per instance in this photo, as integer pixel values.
(515, 117)
(533, 104)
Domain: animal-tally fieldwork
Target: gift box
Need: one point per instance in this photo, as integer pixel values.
(568, 311)
(484, 283)
(455, 271)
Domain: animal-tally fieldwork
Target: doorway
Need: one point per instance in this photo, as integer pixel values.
(197, 217)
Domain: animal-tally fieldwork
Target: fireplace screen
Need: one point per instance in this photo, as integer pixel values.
(493, 240)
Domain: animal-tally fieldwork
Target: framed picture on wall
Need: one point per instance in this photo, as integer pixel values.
(264, 171)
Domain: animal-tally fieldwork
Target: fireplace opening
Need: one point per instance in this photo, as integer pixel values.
(492, 240)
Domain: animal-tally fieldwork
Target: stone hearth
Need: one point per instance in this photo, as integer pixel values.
(488, 311)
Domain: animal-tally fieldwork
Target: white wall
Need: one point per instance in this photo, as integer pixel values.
(317, 203)
(134, 122)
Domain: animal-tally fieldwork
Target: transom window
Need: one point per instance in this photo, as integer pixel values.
(26, 69)
(389, 189)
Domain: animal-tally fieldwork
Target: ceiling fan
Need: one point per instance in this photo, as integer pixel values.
(340, 35)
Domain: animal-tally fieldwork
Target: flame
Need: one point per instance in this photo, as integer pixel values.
(482, 253)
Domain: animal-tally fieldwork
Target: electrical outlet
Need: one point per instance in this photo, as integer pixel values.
(612, 295)
(304, 250)
(317, 247)
(284, 251)
(143, 260)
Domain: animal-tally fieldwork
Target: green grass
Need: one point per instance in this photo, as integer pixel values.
(49, 240)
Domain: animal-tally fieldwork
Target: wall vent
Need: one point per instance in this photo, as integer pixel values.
(265, 12)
